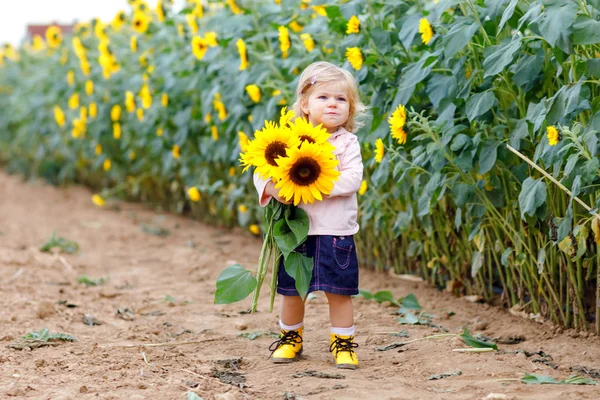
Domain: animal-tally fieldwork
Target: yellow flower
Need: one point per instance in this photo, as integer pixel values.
(379, 150)
(320, 10)
(119, 20)
(129, 101)
(250, 118)
(145, 96)
(192, 23)
(214, 132)
(211, 39)
(219, 107)
(231, 171)
(199, 47)
(133, 44)
(160, 11)
(425, 31)
(198, 10)
(254, 229)
(98, 149)
(70, 77)
(79, 128)
(74, 101)
(363, 187)
(176, 151)
(306, 132)
(59, 116)
(242, 208)
(164, 99)
(98, 200)
(140, 114)
(194, 194)
(89, 88)
(115, 112)
(234, 7)
(306, 174)
(208, 118)
(159, 131)
(83, 113)
(354, 57)
(284, 41)
(117, 131)
(132, 155)
(106, 165)
(253, 92)
(38, 43)
(140, 22)
(85, 66)
(308, 41)
(93, 110)
(553, 135)
(296, 27)
(53, 36)
(353, 25)
(397, 122)
(243, 54)
(243, 141)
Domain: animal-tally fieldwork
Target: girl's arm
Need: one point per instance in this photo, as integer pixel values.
(266, 191)
(351, 168)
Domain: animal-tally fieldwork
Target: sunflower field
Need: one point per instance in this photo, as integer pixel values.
(157, 104)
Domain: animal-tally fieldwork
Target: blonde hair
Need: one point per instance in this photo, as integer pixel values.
(322, 72)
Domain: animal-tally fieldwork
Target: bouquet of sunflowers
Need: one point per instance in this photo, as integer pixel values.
(298, 158)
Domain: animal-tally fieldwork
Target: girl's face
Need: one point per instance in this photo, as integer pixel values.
(327, 104)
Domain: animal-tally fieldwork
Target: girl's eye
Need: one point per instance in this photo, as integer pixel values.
(322, 97)
(341, 99)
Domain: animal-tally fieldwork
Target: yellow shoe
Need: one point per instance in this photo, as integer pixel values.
(342, 348)
(288, 348)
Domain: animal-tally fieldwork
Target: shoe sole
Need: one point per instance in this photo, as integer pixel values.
(286, 360)
(346, 366)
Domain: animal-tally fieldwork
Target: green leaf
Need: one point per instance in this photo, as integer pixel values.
(533, 379)
(586, 30)
(528, 68)
(478, 344)
(409, 28)
(366, 294)
(476, 263)
(505, 256)
(555, 23)
(498, 57)
(410, 301)
(519, 133)
(300, 268)
(411, 75)
(285, 238)
(532, 196)
(409, 318)
(382, 40)
(297, 221)
(235, 283)
(507, 14)
(440, 87)
(479, 104)
(592, 68)
(193, 396)
(384, 295)
(459, 35)
(487, 157)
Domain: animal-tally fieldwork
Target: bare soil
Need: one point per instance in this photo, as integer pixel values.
(160, 291)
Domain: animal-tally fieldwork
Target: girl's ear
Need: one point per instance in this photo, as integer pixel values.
(304, 105)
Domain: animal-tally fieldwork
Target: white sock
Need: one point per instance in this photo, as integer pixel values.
(290, 327)
(343, 331)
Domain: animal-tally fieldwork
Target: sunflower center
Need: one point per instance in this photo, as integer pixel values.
(306, 138)
(305, 171)
(138, 23)
(201, 46)
(274, 150)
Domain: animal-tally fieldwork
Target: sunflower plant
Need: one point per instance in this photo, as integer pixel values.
(297, 157)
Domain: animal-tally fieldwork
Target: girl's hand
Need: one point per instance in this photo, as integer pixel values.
(271, 191)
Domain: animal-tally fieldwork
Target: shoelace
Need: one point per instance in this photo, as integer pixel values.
(340, 344)
(290, 337)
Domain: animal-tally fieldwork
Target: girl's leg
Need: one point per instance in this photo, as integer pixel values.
(341, 311)
(292, 310)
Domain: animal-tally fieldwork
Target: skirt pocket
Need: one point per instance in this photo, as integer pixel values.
(342, 250)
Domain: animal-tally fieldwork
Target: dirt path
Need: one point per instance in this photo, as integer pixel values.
(168, 283)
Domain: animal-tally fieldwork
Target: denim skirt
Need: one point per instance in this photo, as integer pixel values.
(335, 268)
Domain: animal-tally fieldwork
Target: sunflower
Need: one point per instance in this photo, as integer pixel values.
(253, 92)
(160, 11)
(199, 47)
(98, 200)
(284, 41)
(379, 150)
(38, 43)
(363, 187)
(211, 39)
(194, 194)
(354, 57)
(306, 173)
(59, 116)
(397, 122)
(306, 132)
(353, 25)
(243, 54)
(133, 44)
(89, 87)
(192, 22)
(115, 113)
(53, 36)
(119, 20)
(553, 135)
(268, 145)
(425, 31)
(164, 99)
(308, 41)
(129, 101)
(140, 22)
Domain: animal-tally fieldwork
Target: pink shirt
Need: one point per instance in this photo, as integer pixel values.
(336, 214)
